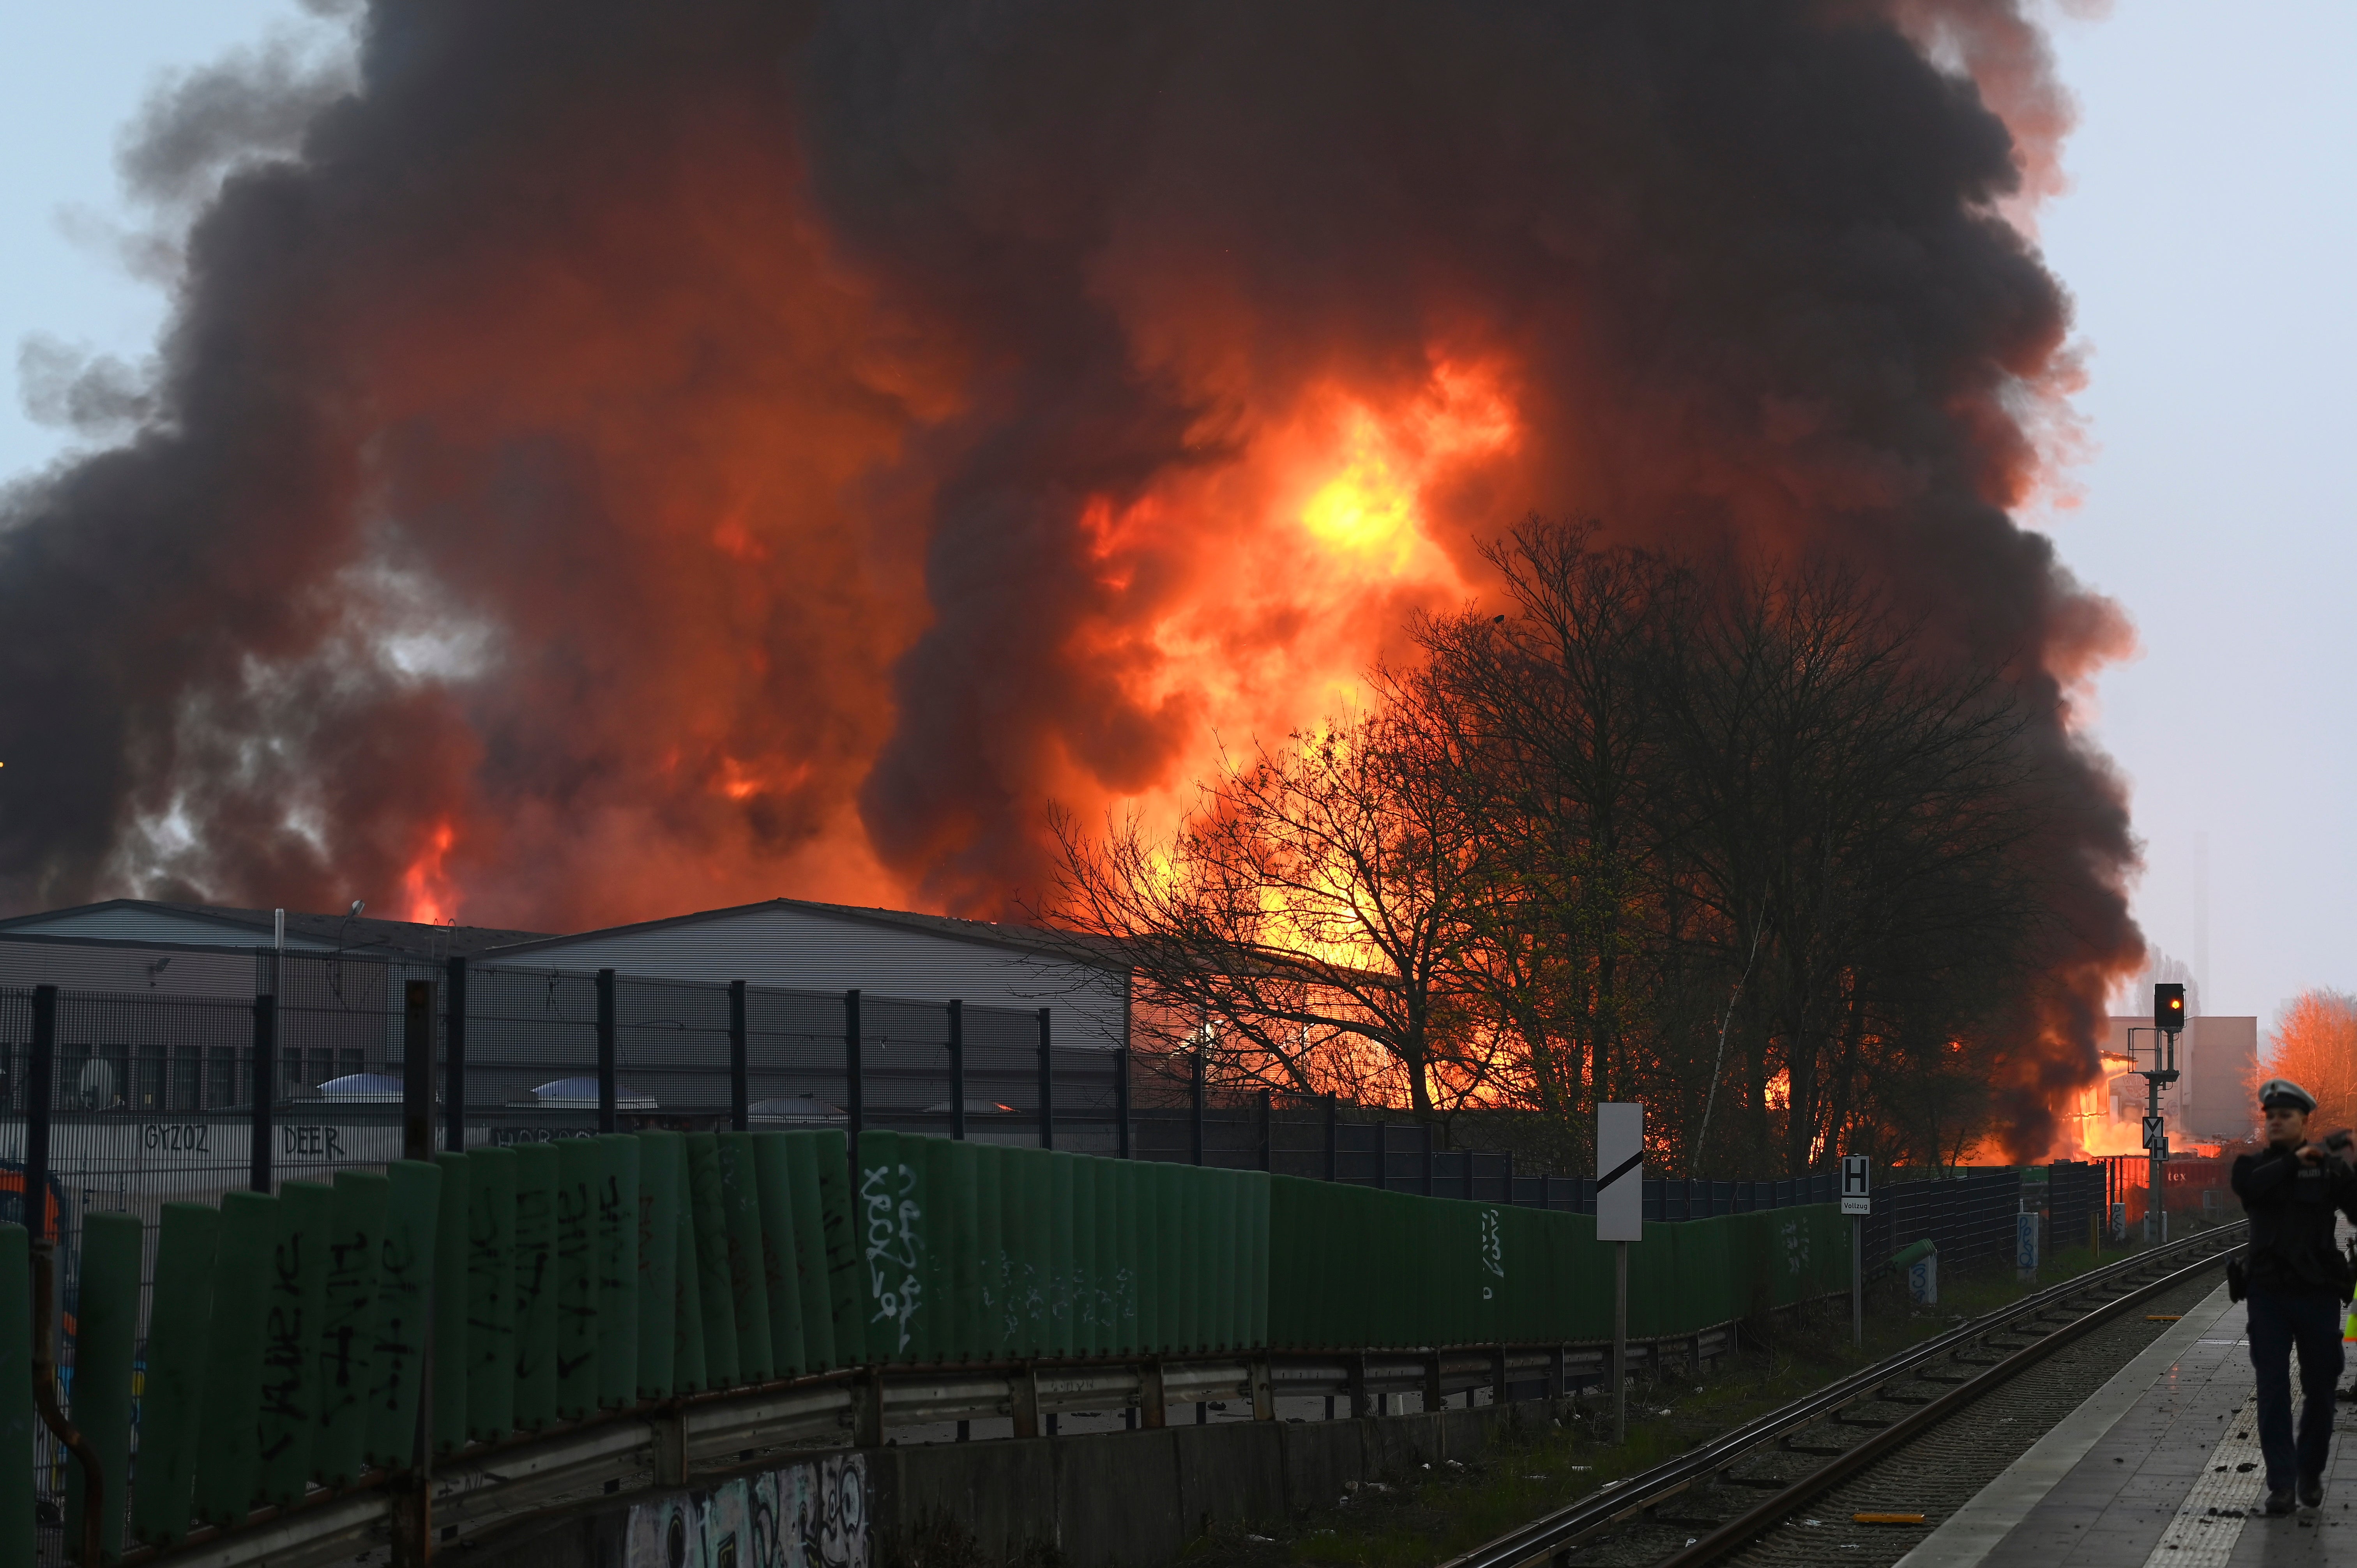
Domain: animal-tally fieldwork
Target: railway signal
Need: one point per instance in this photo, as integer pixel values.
(2167, 1022)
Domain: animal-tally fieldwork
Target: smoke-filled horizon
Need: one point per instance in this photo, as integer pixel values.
(628, 460)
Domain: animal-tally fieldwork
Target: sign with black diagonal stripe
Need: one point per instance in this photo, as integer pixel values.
(1619, 1173)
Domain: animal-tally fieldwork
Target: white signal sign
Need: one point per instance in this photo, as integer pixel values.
(1856, 1189)
(2156, 1133)
(1619, 1173)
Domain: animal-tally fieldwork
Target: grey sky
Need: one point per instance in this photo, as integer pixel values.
(2209, 238)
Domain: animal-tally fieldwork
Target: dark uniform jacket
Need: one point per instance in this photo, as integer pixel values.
(2291, 1208)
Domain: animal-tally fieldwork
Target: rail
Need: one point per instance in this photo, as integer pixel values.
(1567, 1528)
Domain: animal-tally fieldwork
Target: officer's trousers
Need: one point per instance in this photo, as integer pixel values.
(2279, 1321)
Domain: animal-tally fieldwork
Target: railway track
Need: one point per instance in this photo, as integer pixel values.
(1722, 1496)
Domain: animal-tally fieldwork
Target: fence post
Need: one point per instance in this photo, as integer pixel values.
(417, 1069)
(1268, 1131)
(1121, 1099)
(1382, 1156)
(1195, 1110)
(740, 1089)
(41, 1093)
(454, 1058)
(851, 1084)
(1333, 1141)
(1047, 1085)
(1427, 1158)
(264, 1088)
(957, 1070)
(608, 1093)
(1510, 1182)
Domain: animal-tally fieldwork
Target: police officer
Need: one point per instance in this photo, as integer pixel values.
(2296, 1279)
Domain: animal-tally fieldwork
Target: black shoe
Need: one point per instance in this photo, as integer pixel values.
(2311, 1491)
(2279, 1501)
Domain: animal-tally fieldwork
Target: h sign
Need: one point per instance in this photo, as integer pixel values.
(1619, 1173)
(1856, 1186)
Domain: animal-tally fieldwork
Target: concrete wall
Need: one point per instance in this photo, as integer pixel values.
(1118, 1499)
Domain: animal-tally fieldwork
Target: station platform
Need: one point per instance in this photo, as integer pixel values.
(2159, 1466)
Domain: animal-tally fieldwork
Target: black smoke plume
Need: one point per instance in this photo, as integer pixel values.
(608, 458)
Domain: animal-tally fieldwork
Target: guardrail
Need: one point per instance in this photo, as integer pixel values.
(614, 1459)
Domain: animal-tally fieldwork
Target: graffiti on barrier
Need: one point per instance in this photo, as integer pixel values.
(804, 1515)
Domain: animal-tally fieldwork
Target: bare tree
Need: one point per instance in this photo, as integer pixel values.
(1306, 925)
(1726, 838)
(1860, 806)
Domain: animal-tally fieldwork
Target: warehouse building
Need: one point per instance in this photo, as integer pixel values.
(794, 944)
(134, 944)
(141, 944)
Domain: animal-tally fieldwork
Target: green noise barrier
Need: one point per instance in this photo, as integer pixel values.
(291, 1317)
(556, 1279)
(535, 1285)
(579, 1163)
(488, 1349)
(186, 1247)
(356, 1228)
(228, 1421)
(617, 1202)
(106, 1325)
(450, 1285)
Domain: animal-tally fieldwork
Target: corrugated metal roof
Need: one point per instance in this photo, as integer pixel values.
(1071, 947)
(148, 920)
(802, 946)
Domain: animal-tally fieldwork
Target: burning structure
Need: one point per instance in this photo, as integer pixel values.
(608, 460)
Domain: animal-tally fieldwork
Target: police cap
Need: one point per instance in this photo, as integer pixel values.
(2284, 1093)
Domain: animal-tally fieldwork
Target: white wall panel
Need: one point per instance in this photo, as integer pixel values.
(808, 949)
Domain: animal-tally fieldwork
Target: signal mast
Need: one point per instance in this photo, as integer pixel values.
(2168, 1021)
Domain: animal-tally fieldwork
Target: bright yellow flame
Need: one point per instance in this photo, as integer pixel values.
(1367, 507)
(1373, 507)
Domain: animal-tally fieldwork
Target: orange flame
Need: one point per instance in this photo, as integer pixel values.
(426, 885)
(1268, 585)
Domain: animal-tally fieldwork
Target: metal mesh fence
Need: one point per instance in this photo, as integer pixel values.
(153, 1094)
(797, 1069)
